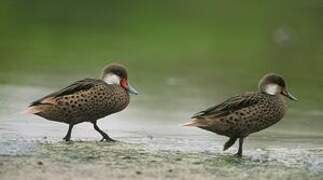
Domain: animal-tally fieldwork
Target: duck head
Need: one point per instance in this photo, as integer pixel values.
(117, 74)
(274, 84)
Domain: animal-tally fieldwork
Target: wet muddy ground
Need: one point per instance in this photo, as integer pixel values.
(54, 159)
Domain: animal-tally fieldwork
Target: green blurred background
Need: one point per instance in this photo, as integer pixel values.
(211, 45)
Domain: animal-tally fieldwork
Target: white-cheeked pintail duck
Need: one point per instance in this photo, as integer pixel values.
(242, 115)
(87, 100)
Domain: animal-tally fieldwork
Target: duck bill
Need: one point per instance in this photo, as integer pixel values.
(132, 90)
(289, 95)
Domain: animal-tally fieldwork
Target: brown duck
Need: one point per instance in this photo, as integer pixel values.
(242, 115)
(87, 100)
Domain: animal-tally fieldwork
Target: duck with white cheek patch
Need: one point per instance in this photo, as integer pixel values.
(242, 115)
(87, 100)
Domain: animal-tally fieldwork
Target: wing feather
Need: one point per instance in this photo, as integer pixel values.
(77, 86)
(230, 105)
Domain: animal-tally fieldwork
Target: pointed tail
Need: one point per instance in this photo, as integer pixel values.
(196, 122)
(41, 106)
(32, 110)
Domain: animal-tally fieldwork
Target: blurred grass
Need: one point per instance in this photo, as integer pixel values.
(208, 43)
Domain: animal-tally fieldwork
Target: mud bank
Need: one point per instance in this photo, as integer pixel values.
(101, 160)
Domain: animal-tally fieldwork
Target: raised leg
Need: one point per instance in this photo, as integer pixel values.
(69, 132)
(229, 143)
(103, 134)
(239, 154)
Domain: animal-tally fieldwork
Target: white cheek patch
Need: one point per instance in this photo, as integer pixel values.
(272, 89)
(112, 79)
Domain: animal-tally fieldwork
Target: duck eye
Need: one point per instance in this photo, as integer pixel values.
(118, 73)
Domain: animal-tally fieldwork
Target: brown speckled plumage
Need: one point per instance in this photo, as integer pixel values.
(84, 101)
(98, 101)
(242, 115)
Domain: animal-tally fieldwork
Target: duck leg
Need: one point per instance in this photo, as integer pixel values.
(103, 134)
(69, 132)
(229, 143)
(239, 154)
